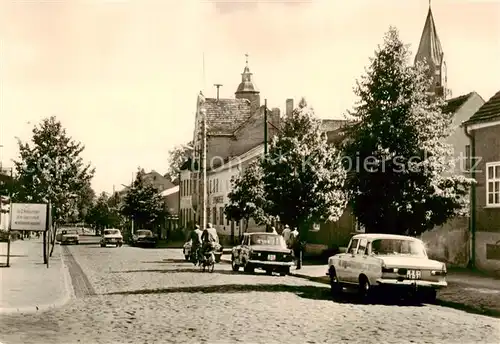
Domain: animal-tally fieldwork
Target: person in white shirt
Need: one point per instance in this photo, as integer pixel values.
(286, 235)
(273, 230)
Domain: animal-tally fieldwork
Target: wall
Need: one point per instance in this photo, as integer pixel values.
(458, 139)
(334, 234)
(487, 219)
(450, 242)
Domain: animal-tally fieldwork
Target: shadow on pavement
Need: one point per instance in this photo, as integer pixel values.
(469, 309)
(308, 292)
(174, 271)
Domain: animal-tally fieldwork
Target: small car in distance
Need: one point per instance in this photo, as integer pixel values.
(69, 236)
(396, 263)
(266, 251)
(144, 237)
(186, 250)
(111, 236)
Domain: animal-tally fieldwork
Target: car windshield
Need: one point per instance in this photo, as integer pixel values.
(145, 232)
(111, 232)
(69, 231)
(398, 247)
(267, 239)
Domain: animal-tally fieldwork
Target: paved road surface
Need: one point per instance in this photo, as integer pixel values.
(133, 295)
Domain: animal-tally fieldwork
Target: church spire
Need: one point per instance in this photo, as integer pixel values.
(431, 51)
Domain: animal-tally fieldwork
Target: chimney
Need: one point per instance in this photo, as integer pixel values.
(218, 86)
(289, 107)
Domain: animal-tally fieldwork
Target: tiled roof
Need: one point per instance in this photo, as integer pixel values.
(332, 124)
(453, 104)
(224, 116)
(488, 112)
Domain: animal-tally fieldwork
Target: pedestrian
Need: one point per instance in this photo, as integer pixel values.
(273, 230)
(295, 246)
(286, 235)
(196, 243)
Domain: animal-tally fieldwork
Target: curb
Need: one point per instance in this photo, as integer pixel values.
(67, 295)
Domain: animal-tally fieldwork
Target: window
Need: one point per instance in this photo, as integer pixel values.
(214, 213)
(221, 216)
(362, 248)
(209, 186)
(467, 158)
(353, 247)
(208, 215)
(493, 184)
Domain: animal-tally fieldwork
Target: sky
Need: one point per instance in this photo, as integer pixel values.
(123, 75)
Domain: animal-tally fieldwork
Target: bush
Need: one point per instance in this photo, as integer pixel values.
(14, 235)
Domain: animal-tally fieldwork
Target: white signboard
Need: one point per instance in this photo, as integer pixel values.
(28, 217)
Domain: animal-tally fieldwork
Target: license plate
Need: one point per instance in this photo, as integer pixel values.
(414, 274)
(271, 257)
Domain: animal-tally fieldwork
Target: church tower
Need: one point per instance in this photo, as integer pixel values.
(430, 51)
(247, 89)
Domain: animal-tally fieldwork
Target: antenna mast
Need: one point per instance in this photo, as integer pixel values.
(203, 71)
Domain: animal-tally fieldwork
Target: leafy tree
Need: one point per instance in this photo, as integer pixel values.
(247, 199)
(401, 184)
(143, 203)
(51, 169)
(103, 214)
(303, 175)
(85, 201)
(176, 157)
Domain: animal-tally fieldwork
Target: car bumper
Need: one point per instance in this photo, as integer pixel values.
(111, 242)
(269, 264)
(394, 283)
(70, 240)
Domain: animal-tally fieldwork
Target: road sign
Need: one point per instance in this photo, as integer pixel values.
(28, 217)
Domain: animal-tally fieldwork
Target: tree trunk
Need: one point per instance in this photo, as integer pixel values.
(53, 239)
(301, 243)
(45, 257)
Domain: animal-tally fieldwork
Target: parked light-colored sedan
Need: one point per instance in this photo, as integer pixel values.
(384, 261)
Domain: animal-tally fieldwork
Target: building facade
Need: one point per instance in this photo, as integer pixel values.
(234, 127)
(484, 131)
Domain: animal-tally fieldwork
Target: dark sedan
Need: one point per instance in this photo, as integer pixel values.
(144, 238)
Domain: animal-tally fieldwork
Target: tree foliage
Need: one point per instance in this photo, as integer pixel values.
(177, 156)
(246, 198)
(143, 203)
(397, 152)
(104, 214)
(51, 169)
(303, 176)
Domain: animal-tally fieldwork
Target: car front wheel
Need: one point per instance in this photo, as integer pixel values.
(335, 286)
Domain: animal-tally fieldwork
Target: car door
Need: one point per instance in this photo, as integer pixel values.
(359, 261)
(346, 261)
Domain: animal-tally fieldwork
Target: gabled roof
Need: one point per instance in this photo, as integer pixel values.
(224, 116)
(430, 47)
(490, 111)
(332, 124)
(453, 104)
(170, 191)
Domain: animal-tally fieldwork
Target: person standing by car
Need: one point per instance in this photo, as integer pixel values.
(196, 243)
(286, 235)
(273, 230)
(295, 245)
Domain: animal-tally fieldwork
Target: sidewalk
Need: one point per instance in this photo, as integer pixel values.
(28, 285)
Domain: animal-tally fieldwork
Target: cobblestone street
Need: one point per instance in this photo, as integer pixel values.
(133, 295)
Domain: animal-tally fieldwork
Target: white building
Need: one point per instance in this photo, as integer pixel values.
(219, 186)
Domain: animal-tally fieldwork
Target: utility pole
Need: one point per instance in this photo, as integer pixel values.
(265, 128)
(218, 86)
(204, 169)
